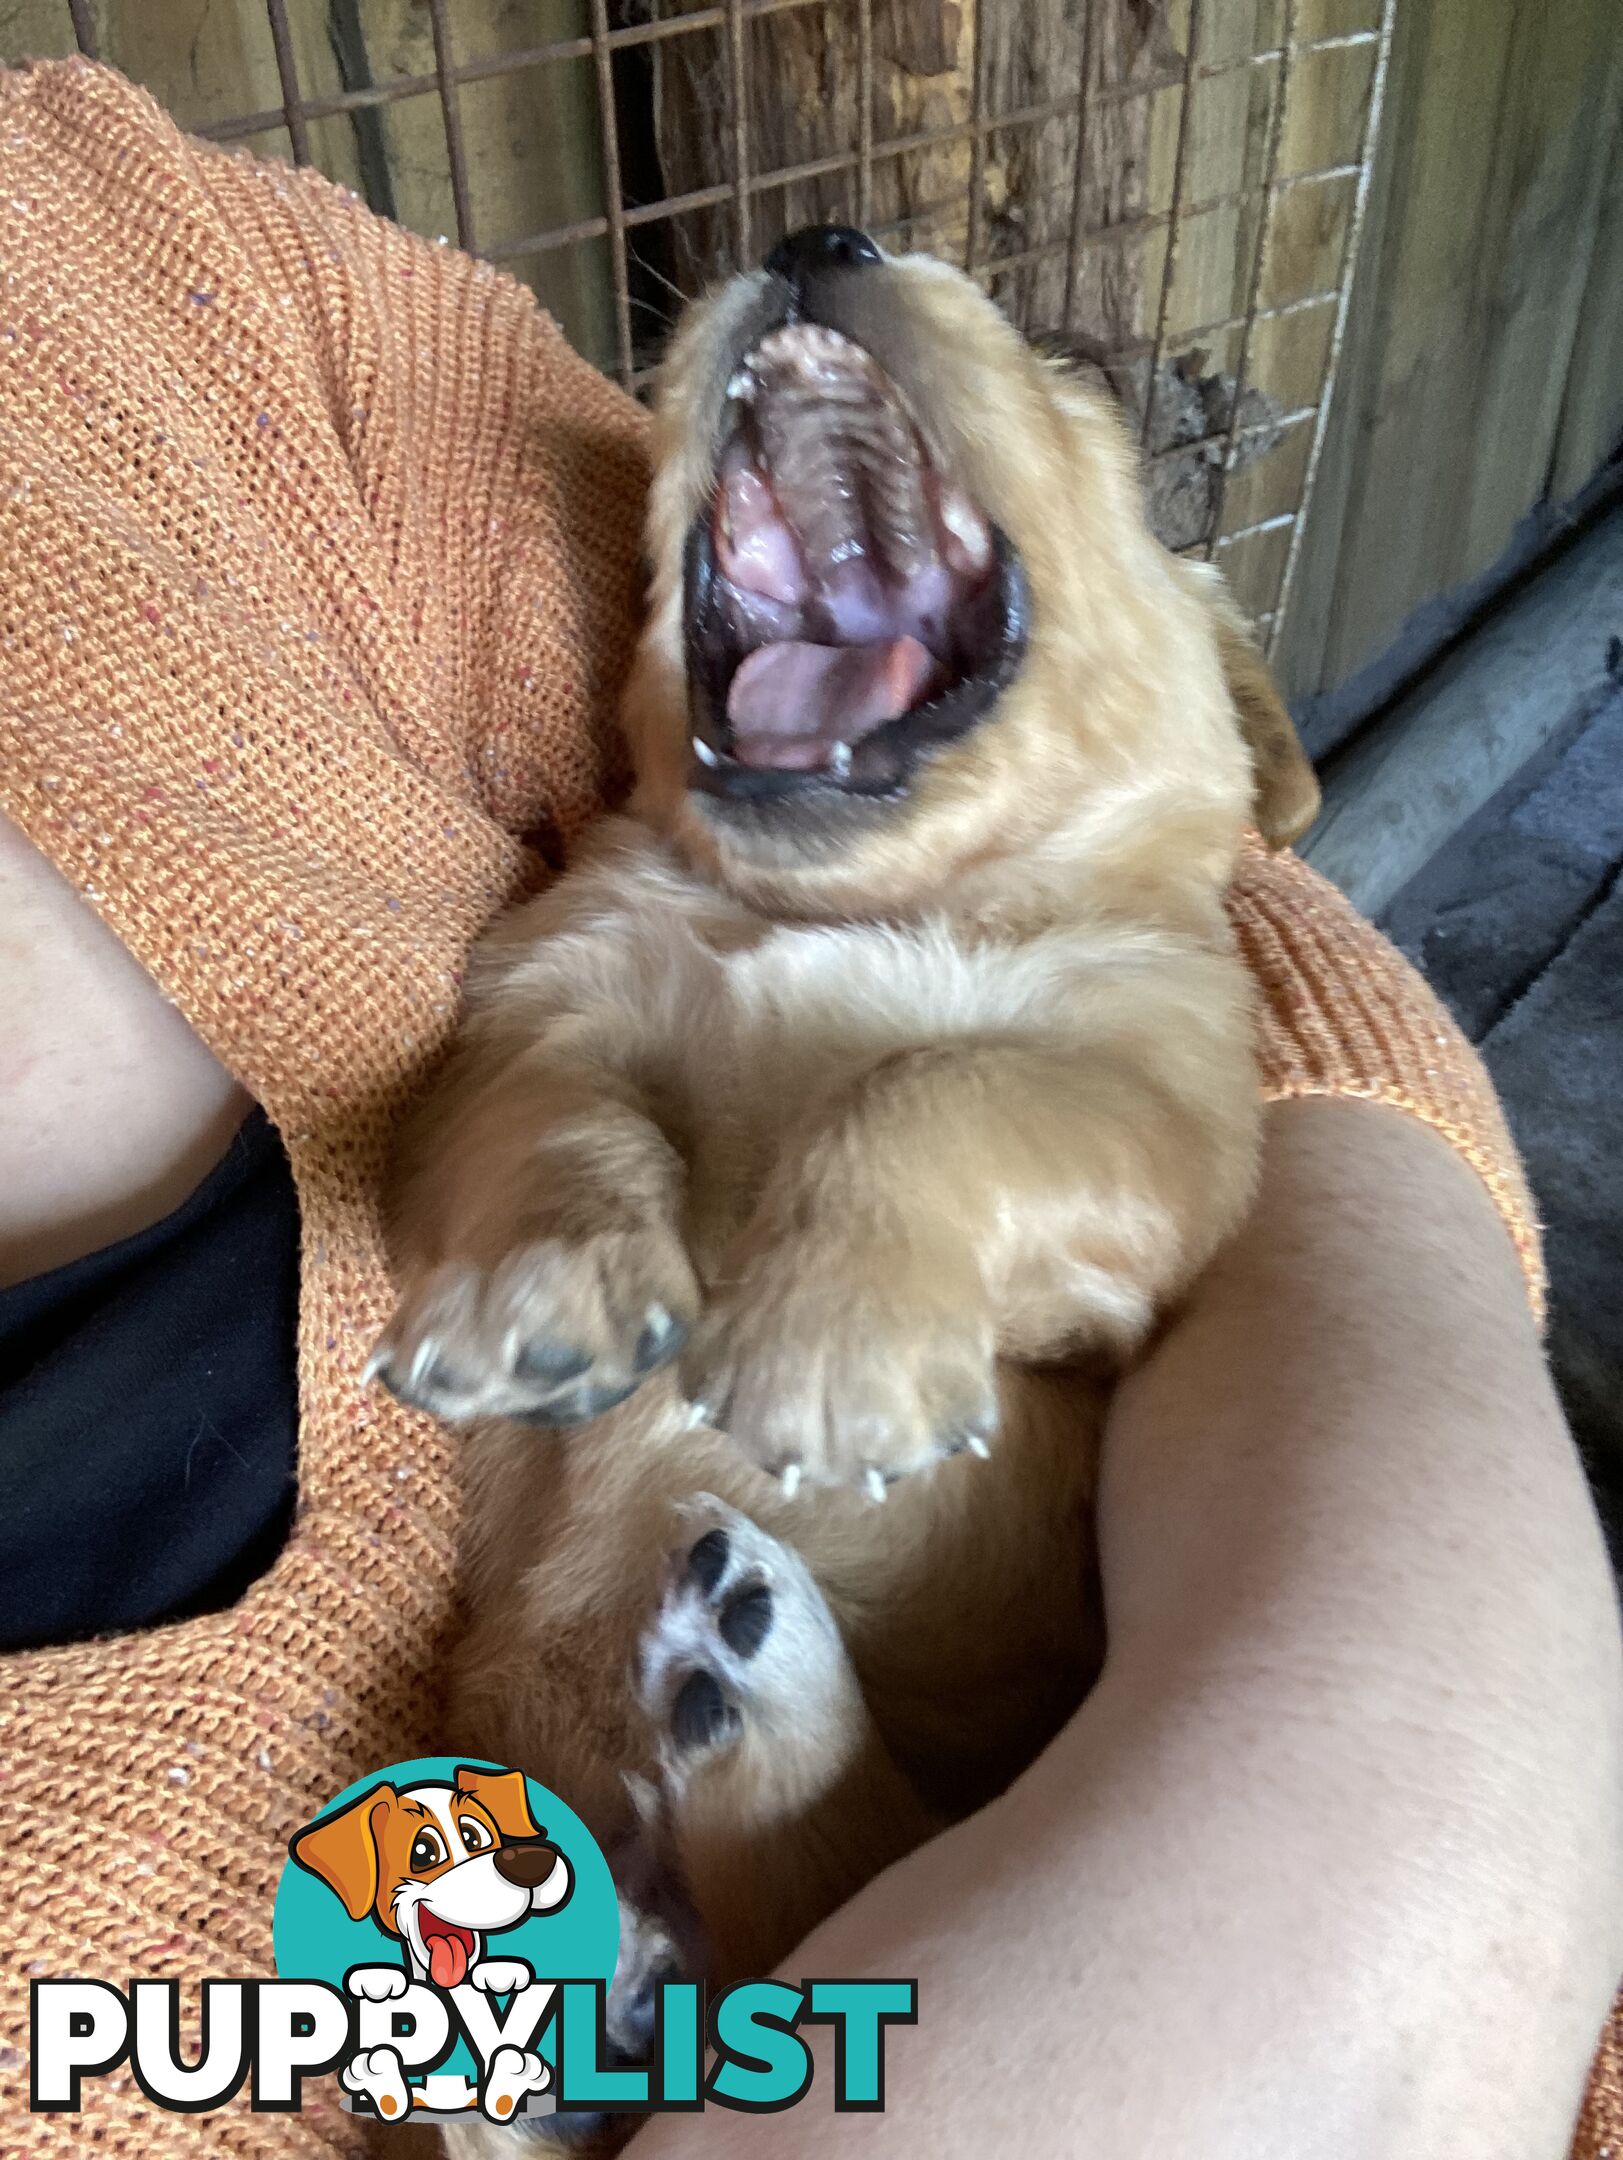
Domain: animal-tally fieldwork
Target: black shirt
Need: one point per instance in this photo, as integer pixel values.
(149, 1412)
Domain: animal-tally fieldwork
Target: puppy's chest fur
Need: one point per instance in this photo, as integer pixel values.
(749, 1032)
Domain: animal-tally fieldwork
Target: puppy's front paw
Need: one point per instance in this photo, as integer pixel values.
(553, 1331)
(848, 1369)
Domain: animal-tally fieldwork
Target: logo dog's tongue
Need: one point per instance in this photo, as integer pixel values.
(447, 1960)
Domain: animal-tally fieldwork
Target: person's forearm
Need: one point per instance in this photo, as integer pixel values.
(1331, 1863)
(115, 1111)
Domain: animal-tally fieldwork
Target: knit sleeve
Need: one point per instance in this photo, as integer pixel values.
(1341, 1012)
(442, 383)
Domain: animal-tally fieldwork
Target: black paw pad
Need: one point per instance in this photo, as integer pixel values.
(745, 1619)
(577, 1406)
(701, 1714)
(707, 1562)
(551, 1363)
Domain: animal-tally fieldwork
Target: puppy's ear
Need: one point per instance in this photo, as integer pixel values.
(343, 1849)
(502, 1795)
(1285, 798)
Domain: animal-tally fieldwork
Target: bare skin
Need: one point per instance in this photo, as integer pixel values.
(1331, 1862)
(115, 1111)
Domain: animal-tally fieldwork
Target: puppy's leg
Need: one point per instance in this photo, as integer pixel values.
(535, 1210)
(780, 1798)
(547, 1274)
(963, 1202)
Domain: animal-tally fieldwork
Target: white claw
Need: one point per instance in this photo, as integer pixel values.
(874, 1480)
(374, 1365)
(977, 1446)
(839, 761)
(791, 1480)
(426, 1352)
(703, 752)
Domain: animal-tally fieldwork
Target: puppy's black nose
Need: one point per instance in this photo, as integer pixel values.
(818, 248)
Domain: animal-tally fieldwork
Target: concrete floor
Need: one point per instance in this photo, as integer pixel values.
(1518, 922)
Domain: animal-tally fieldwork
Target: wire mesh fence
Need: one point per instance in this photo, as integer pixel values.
(1173, 189)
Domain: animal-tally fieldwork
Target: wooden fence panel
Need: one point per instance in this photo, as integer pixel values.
(1482, 366)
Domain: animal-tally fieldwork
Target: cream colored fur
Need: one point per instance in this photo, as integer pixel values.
(916, 1138)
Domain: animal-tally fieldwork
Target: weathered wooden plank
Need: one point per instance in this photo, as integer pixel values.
(799, 107)
(1326, 100)
(200, 61)
(1535, 240)
(1298, 656)
(1337, 18)
(1033, 49)
(530, 138)
(1324, 115)
(1395, 796)
(35, 30)
(1591, 426)
(801, 89)
(1254, 567)
(1229, 127)
(1289, 355)
(1271, 487)
(1469, 303)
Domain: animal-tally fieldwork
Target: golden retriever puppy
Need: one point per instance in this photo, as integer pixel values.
(815, 1148)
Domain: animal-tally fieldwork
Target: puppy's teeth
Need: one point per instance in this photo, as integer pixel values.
(697, 1416)
(839, 761)
(791, 1480)
(977, 1446)
(874, 1482)
(742, 385)
(967, 527)
(703, 752)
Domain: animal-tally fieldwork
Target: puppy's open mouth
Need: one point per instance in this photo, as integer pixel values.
(448, 1948)
(849, 606)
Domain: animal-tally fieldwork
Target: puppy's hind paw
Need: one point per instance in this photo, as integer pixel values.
(740, 1642)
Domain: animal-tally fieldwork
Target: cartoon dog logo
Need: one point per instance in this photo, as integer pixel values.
(438, 1867)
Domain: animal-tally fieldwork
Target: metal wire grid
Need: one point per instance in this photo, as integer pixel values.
(740, 190)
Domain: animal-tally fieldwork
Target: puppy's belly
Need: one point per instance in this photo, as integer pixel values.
(966, 1600)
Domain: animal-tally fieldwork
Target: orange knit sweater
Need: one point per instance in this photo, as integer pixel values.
(317, 574)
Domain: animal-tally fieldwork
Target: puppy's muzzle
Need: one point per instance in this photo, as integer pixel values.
(850, 609)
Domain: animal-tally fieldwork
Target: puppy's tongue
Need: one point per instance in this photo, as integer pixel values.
(447, 1960)
(791, 704)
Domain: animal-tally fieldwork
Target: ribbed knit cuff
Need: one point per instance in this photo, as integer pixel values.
(1341, 1012)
